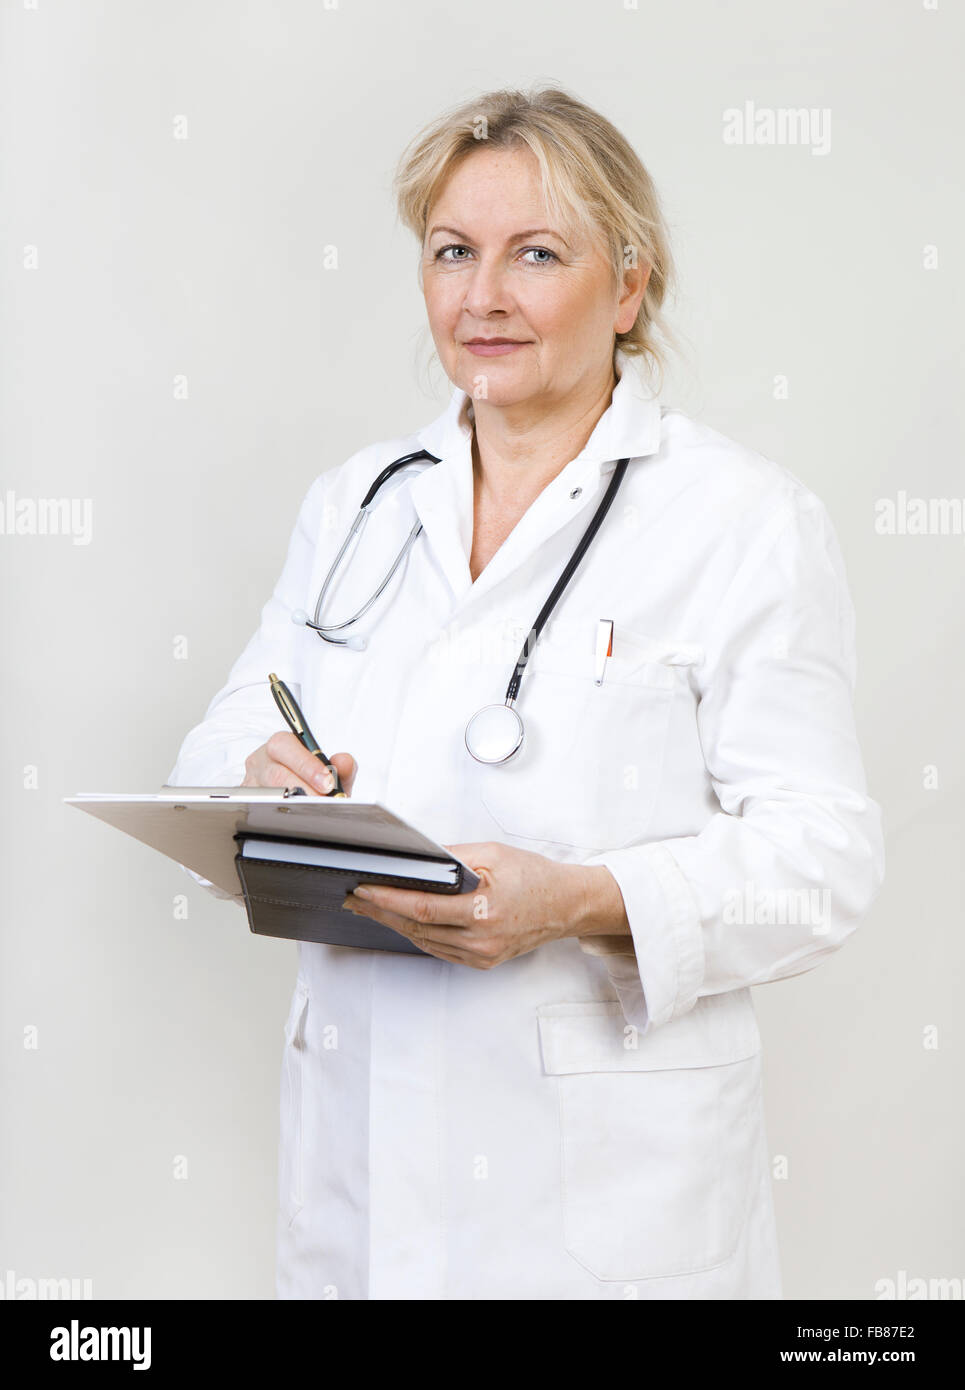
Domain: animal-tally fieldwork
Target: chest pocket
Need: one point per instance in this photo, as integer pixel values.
(590, 767)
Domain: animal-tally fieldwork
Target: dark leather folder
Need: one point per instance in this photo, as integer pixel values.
(304, 901)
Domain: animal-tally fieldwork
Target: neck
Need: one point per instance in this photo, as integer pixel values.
(517, 451)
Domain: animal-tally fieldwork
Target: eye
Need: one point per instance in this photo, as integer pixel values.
(441, 253)
(541, 251)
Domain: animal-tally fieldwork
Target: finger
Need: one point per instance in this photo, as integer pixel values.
(405, 926)
(427, 909)
(278, 776)
(289, 780)
(434, 940)
(347, 769)
(285, 748)
(449, 935)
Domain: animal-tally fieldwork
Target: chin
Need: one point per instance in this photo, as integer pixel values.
(507, 383)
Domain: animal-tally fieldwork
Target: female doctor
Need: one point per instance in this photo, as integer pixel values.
(561, 1098)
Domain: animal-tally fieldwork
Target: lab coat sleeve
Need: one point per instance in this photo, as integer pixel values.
(243, 715)
(783, 873)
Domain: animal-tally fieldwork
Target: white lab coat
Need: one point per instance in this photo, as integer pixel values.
(585, 1121)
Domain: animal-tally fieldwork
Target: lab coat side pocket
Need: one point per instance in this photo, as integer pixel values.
(658, 1146)
(291, 1160)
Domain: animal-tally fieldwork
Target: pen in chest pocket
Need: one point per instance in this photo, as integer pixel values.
(604, 646)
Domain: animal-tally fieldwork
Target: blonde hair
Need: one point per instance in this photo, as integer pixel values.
(590, 176)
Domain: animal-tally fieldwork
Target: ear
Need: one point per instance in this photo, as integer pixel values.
(635, 280)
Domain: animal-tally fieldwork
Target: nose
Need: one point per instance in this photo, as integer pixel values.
(487, 290)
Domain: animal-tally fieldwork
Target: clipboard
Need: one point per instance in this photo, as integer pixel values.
(205, 830)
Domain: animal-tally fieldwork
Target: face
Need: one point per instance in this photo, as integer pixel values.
(495, 267)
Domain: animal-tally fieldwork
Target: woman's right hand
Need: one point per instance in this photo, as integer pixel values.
(284, 762)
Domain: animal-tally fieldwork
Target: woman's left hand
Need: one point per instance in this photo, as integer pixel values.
(522, 900)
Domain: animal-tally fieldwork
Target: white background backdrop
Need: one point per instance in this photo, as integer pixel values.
(156, 258)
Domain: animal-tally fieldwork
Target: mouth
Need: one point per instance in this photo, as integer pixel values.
(493, 347)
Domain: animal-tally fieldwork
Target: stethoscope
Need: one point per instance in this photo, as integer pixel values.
(495, 732)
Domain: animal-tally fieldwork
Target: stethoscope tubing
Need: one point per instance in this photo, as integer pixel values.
(514, 727)
(512, 690)
(323, 630)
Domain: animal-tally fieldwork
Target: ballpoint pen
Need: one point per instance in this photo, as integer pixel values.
(295, 720)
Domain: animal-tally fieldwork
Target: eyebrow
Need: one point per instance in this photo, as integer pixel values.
(516, 236)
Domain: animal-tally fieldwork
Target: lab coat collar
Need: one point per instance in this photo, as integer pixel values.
(443, 494)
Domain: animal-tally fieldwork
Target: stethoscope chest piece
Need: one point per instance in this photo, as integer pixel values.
(494, 733)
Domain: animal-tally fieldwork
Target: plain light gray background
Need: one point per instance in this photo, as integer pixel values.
(131, 258)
